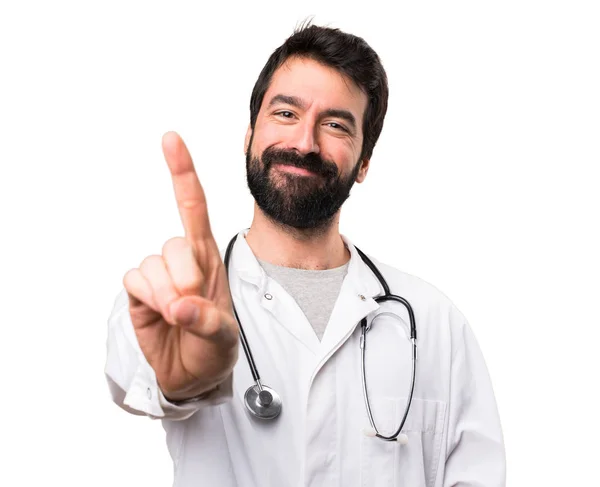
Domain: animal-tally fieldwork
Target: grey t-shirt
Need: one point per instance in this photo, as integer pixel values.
(315, 291)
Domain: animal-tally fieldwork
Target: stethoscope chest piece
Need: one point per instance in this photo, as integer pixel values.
(263, 404)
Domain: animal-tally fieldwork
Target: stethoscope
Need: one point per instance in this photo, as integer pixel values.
(264, 403)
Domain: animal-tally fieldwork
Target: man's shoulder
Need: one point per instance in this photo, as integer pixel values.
(418, 291)
(437, 315)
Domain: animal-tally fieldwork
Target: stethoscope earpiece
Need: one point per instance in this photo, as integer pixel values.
(371, 433)
(402, 439)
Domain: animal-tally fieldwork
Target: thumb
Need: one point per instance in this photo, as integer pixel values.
(185, 312)
(199, 316)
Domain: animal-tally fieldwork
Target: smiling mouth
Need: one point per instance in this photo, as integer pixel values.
(294, 170)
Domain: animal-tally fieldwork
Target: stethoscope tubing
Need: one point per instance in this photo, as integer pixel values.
(244, 340)
(363, 347)
(387, 296)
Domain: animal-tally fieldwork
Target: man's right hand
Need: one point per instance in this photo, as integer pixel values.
(179, 302)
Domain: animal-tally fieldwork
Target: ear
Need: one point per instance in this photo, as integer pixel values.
(247, 139)
(362, 172)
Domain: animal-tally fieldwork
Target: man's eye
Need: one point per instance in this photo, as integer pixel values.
(337, 126)
(286, 114)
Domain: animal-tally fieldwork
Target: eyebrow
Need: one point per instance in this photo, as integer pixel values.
(299, 103)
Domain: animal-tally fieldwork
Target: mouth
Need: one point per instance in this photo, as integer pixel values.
(294, 170)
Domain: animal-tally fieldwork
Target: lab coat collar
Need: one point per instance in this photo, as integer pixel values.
(249, 269)
(246, 266)
(354, 302)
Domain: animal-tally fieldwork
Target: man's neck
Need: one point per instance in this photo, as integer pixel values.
(317, 249)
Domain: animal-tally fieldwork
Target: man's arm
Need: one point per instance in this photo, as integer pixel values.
(131, 379)
(476, 456)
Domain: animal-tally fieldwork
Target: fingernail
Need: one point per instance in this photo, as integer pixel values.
(186, 314)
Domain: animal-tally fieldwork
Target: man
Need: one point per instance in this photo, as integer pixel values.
(300, 289)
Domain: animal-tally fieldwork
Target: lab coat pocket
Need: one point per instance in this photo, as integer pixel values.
(388, 463)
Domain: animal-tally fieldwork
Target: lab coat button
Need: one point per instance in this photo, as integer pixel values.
(362, 298)
(149, 393)
(268, 296)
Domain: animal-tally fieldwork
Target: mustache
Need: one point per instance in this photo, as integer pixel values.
(311, 162)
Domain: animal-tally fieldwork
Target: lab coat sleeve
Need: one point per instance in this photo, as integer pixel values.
(475, 450)
(132, 381)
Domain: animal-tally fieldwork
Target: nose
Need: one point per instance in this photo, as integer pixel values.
(304, 139)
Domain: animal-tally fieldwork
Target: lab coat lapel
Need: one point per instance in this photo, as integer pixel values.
(272, 296)
(288, 313)
(354, 302)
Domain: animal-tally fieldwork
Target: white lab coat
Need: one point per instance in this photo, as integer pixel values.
(453, 428)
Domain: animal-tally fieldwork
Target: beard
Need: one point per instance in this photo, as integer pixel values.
(298, 201)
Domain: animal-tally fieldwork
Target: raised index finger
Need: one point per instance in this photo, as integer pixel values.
(189, 194)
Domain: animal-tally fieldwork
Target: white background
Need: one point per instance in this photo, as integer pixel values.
(484, 183)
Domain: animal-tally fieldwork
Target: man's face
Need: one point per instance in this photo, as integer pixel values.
(302, 157)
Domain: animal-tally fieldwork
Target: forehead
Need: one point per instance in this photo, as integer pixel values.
(321, 87)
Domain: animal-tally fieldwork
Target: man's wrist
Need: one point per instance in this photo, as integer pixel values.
(189, 400)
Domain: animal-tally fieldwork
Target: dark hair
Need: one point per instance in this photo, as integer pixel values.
(348, 54)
